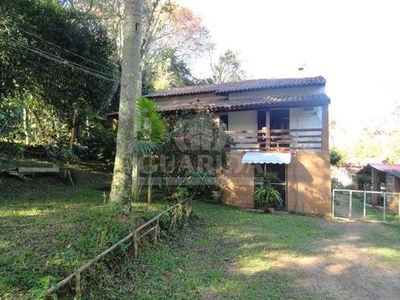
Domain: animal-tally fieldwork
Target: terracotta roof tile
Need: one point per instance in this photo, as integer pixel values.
(388, 168)
(248, 85)
(267, 101)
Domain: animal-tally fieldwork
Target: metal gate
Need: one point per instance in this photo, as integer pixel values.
(366, 205)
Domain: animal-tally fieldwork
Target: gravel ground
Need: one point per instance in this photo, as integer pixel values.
(349, 267)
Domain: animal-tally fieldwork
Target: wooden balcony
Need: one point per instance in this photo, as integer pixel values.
(277, 140)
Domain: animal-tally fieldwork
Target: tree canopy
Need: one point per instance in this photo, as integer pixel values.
(228, 68)
(56, 54)
(56, 71)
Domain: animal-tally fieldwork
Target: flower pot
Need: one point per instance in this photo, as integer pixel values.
(270, 210)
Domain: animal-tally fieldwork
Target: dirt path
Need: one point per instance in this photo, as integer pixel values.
(346, 268)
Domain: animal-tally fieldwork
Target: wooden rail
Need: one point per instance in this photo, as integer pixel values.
(153, 225)
(286, 140)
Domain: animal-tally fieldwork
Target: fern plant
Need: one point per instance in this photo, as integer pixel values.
(266, 194)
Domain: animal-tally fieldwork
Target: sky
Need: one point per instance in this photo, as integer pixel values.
(353, 44)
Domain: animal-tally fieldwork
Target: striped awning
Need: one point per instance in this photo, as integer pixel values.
(266, 158)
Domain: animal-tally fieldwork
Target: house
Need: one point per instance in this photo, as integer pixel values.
(385, 178)
(278, 125)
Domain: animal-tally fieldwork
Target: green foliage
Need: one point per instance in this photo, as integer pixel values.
(54, 228)
(270, 177)
(380, 139)
(61, 154)
(181, 193)
(151, 127)
(96, 141)
(167, 71)
(228, 69)
(171, 269)
(63, 69)
(200, 182)
(364, 179)
(172, 37)
(151, 131)
(267, 195)
(195, 146)
(11, 133)
(336, 157)
(150, 124)
(55, 72)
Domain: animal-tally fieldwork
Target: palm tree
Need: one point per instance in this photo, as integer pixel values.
(151, 130)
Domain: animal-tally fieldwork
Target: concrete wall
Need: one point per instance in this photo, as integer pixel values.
(309, 183)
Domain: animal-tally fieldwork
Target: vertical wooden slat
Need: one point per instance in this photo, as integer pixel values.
(78, 289)
(135, 244)
(157, 230)
(376, 185)
(267, 129)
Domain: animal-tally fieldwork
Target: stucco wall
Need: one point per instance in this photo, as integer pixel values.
(238, 182)
(306, 118)
(243, 120)
(309, 183)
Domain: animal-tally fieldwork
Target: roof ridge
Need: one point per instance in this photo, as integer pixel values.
(239, 86)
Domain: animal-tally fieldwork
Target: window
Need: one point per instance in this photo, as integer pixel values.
(224, 119)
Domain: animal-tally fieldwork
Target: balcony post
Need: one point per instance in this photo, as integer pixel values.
(267, 131)
(325, 128)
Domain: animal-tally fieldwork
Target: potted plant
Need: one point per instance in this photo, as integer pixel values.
(266, 194)
(216, 193)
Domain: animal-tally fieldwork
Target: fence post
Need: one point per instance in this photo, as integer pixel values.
(173, 218)
(333, 203)
(398, 202)
(78, 289)
(384, 207)
(350, 203)
(157, 230)
(365, 206)
(135, 244)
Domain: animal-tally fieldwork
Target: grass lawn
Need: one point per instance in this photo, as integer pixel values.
(48, 229)
(226, 253)
(372, 213)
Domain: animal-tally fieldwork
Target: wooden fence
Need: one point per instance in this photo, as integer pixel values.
(277, 139)
(176, 212)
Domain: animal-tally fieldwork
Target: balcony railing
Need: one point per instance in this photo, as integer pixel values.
(278, 140)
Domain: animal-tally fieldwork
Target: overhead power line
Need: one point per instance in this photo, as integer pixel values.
(63, 61)
(61, 48)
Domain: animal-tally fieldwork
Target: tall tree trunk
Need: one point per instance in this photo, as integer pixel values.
(132, 31)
